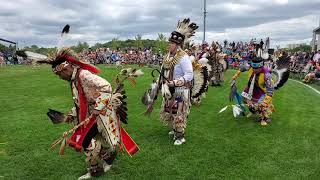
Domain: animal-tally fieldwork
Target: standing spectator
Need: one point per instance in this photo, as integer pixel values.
(225, 43)
(267, 43)
(2, 62)
(233, 45)
(261, 44)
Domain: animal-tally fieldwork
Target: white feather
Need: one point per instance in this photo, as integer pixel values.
(165, 91)
(259, 53)
(154, 87)
(223, 109)
(35, 56)
(209, 67)
(236, 110)
(149, 98)
(279, 73)
(61, 42)
(265, 56)
(138, 73)
(62, 38)
(203, 61)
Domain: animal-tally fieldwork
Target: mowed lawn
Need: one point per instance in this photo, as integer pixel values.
(218, 146)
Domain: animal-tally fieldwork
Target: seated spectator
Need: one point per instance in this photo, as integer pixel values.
(311, 76)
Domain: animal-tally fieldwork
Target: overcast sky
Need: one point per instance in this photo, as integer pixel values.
(40, 21)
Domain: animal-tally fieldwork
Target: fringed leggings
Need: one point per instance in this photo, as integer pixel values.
(96, 151)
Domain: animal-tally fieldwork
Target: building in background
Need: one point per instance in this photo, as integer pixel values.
(315, 43)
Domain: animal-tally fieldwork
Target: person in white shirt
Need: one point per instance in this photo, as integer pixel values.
(175, 80)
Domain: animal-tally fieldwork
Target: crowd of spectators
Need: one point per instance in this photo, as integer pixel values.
(127, 56)
(304, 64)
(101, 56)
(237, 54)
(7, 58)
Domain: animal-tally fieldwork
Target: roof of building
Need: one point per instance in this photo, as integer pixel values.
(317, 30)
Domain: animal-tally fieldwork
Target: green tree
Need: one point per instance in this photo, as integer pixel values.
(161, 43)
(138, 41)
(97, 46)
(2, 47)
(304, 48)
(115, 43)
(80, 47)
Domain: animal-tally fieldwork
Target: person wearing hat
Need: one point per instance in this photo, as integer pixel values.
(176, 78)
(258, 93)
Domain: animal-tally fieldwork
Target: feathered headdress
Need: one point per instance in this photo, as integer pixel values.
(185, 29)
(215, 47)
(65, 56)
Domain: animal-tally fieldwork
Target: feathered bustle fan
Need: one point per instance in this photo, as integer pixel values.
(212, 63)
(201, 78)
(281, 70)
(122, 108)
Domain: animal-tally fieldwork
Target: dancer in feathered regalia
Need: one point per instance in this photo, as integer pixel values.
(97, 113)
(215, 62)
(200, 76)
(260, 89)
(175, 81)
(216, 59)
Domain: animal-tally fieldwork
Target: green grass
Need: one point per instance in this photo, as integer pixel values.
(218, 146)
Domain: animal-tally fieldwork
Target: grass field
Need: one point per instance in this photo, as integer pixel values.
(218, 146)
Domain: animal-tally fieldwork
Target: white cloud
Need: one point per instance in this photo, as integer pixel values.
(282, 2)
(40, 21)
(290, 31)
(236, 7)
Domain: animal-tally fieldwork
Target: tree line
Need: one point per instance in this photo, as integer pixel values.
(138, 43)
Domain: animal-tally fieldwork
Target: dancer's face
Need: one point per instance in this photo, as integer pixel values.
(65, 73)
(189, 52)
(173, 47)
